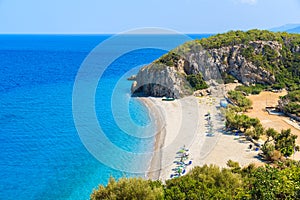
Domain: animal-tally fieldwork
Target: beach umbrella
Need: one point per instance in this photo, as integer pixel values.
(179, 171)
(176, 176)
(181, 151)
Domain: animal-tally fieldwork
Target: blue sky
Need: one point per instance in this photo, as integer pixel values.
(113, 16)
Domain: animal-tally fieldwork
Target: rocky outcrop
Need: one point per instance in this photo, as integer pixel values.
(158, 79)
(230, 60)
(132, 78)
(282, 102)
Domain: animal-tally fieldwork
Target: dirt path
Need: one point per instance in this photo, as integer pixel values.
(277, 122)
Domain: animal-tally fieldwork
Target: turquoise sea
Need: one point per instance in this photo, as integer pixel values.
(41, 154)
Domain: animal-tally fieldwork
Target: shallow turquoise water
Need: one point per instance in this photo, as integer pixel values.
(42, 156)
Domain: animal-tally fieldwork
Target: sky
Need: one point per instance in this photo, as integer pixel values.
(114, 16)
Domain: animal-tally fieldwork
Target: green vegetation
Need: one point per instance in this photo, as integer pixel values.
(266, 59)
(283, 61)
(294, 96)
(211, 182)
(196, 81)
(240, 100)
(254, 89)
(132, 188)
(205, 182)
(285, 67)
(274, 183)
(228, 78)
(170, 59)
(240, 37)
(241, 122)
(279, 144)
(293, 105)
(285, 142)
(293, 108)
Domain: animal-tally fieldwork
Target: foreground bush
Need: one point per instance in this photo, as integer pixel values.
(207, 182)
(281, 181)
(129, 188)
(273, 183)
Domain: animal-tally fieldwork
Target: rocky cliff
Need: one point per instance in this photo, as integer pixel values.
(159, 80)
(168, 75)
(231, 60)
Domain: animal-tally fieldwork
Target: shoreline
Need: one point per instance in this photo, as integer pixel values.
(182, 123)
(160, 133)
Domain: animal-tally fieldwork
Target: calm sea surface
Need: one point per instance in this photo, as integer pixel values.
(41, 154)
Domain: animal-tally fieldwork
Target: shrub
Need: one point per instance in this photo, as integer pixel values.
(268, 151)
(255, 89)
(211, 182)
(128, 188)
(196, 81)
(170, 59)
(285, 142)
(228, 78)
(240, 100)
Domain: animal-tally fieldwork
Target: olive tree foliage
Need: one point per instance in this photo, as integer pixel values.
(274, 183)
(207, 182)
(212, 182)
(129, 188)
(276, 145)
(279, 144)
(240, 100)
(250, 126)
(285, 142)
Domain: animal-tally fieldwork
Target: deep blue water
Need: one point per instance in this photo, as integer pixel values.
(41, 154)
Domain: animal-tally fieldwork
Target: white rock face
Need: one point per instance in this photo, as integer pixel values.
(230, 60)
(160, 80)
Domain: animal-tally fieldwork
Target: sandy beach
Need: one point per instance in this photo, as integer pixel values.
(183, 123)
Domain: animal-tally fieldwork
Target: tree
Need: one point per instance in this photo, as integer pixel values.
(255, 131)
(197, 82)
(128, 188)
(250, 126)
(212, 182)
(207, 182)
(272, 183)
(285, 142)
(235, 166)
(240, 100)
(259, 130)
(268, 151)
(268, 147)
(293, 108)
(271, 134)
(277, 144)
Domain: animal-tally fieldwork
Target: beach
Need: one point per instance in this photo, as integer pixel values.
(182, 123)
